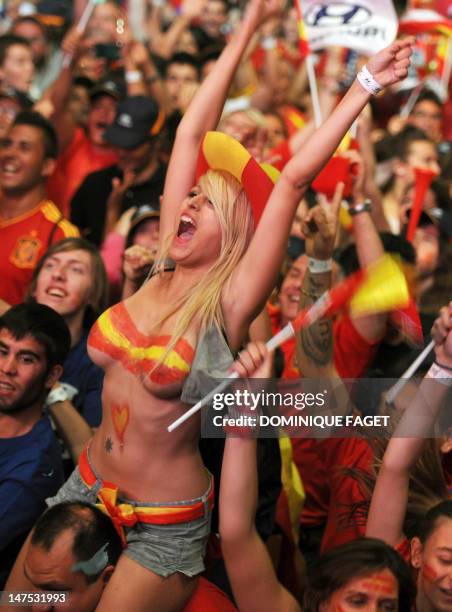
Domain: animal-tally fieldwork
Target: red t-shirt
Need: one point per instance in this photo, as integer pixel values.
(78, 159)
(352, 352)
(347, 510)
(209, 598)
(23, 240)
(352, 355)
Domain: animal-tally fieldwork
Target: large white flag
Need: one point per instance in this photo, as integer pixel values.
(365, 25)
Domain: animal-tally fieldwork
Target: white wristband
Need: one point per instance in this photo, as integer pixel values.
(440, 374)
(268, 43)
(368, 82)
(319, 266)
(61, 393)
(133, 76)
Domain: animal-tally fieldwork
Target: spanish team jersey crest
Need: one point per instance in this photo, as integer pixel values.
(23, 240)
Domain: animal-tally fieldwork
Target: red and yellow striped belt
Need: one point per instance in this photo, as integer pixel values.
(124, 514)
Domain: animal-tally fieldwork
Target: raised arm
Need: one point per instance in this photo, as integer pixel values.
(390, 496)
(315, 343)
(256, 274)
(59, 91)
(164, 43)
(250, 570)
(204, 113)
(369, 247)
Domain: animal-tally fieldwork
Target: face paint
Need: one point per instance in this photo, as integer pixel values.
(120, 418)
(380, 584)
(374, 591)
(95, 565)
(428, 573)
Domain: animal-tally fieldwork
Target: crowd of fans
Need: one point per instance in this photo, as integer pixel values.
(122, 297)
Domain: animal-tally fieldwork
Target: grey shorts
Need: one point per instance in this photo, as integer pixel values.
(163, 549)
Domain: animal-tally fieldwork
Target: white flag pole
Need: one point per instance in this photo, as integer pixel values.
(81, 27)
(393, 391)
(409, 105)
(314, 90)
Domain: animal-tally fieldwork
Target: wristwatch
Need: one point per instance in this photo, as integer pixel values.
(62, 393)
(356, 209)
(319, 266)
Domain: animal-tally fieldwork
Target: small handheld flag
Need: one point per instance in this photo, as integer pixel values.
(381, 286)
(423, 180)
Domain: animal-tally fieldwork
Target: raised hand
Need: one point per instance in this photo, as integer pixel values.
(358, 170)
(192, 8)
(73, 44)
(320, 227)
(442, 335)
(118, 189)
(391, 64)
(254, 362)
(137, 263)
(258, 11)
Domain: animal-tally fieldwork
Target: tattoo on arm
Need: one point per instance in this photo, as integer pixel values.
(108, 445)
(317, 340)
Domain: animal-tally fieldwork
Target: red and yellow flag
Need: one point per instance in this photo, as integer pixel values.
(302, 33)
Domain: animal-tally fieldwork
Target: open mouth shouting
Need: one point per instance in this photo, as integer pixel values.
(186, 229)
(56, 292)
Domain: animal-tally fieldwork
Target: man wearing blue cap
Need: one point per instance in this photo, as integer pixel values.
(138, 176)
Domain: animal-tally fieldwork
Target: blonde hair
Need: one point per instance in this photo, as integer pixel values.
(203, 300)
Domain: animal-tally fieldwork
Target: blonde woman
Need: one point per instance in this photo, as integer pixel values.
(225, 268)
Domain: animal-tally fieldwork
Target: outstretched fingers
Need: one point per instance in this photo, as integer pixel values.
(443, 324)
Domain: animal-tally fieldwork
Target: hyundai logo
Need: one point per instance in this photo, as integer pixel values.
(324, 15)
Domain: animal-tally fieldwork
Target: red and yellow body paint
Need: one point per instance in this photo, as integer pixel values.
(219, 151)
(120, 414)
(116, 335)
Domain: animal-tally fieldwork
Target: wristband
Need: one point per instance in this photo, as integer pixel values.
(367, 81)
(443, 366)
(319, 266)
(440, 374)
(356, 209)
(133, 76)
(242, 422)
(268, 43)
(64, 392)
